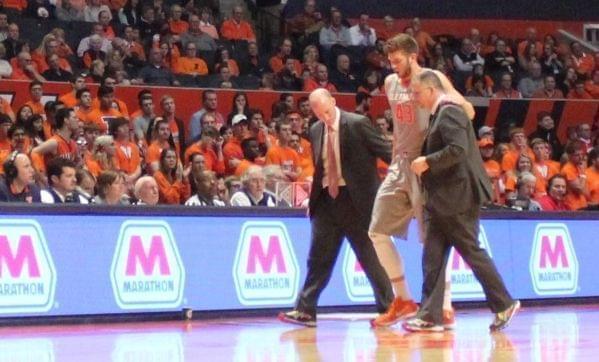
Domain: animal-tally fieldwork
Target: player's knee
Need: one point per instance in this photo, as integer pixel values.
(377, 238)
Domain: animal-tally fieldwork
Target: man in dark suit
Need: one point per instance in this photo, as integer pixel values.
(455, 185)
(341, 202)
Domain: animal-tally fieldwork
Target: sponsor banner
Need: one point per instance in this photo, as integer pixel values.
(357, 286)
(147, 271)
(464, 284)
(265, 269)
(27, 273)
(553, 261)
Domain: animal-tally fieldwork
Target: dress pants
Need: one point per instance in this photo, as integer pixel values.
(332, 220)
(460, 231)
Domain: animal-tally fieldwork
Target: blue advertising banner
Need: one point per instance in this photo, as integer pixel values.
(103, 263)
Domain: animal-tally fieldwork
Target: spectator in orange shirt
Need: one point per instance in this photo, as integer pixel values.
(583, 63)
(543, 166)
(592, 173)
(191, 64)
(105, 114)
(549, 90)
(117, 103)
(23, 114)
(237, 29)
(251, 153)
(574, 171)
(70, 99)
(531, 38)
(232, 150)
(222, 56)
(579, 91)
(425, 41)
(320, 80)
(127, 152)
(6, 109)
(592, 85)
(84, 105)
(175, 24)
(5, 145)
(523, 164)
(36, 92)
(277, 61)
(518, 145)
(48, 47)
(389, 28)
(171, 179)
(25, 69)
(160, 140)
(306, 164)
(282, 154)
(167, 103)
(210, 146)
(103, 156)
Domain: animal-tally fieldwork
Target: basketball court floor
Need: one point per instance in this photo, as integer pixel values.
(547, 334)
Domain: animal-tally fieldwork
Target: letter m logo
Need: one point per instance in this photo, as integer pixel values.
(138, 256)
(553, 253)
(553, 263)
(14, 262)
(272, 255)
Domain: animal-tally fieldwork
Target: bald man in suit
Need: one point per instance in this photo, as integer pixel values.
(341, 202)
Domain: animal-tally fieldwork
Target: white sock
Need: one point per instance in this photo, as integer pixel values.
(392, 263)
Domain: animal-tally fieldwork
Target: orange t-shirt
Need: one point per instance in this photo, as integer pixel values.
(311, 85)
(102, 118)
(154, 151)
(178, 26)
(276, 64)
(37, 108)
(211, 161)
(494, 172)
(574, 201)
(118, 104)
(170, 193)
(231, 30)
(232, 150)
(68, 99)
(127, 155)
(64, 148)
(286, 157)
(15, 4)
(187, 65)
(593, 184)
(508, 162)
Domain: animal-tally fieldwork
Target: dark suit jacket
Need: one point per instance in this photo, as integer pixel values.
(456, 180)
(359, 144)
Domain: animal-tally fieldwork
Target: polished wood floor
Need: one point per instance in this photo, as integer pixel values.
(564, 333)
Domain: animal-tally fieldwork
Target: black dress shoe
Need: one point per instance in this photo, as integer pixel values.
(503, 318)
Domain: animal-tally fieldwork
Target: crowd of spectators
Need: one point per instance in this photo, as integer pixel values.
(89, 148)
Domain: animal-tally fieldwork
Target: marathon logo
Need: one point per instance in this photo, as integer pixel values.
(27, 274)
(147, 271)
(357, 285)
(553, 262)
(463, 282)
(265, 269)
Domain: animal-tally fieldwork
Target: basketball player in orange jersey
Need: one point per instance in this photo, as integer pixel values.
(399, 198)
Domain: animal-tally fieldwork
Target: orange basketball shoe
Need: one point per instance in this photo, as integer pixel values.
(398, 311)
